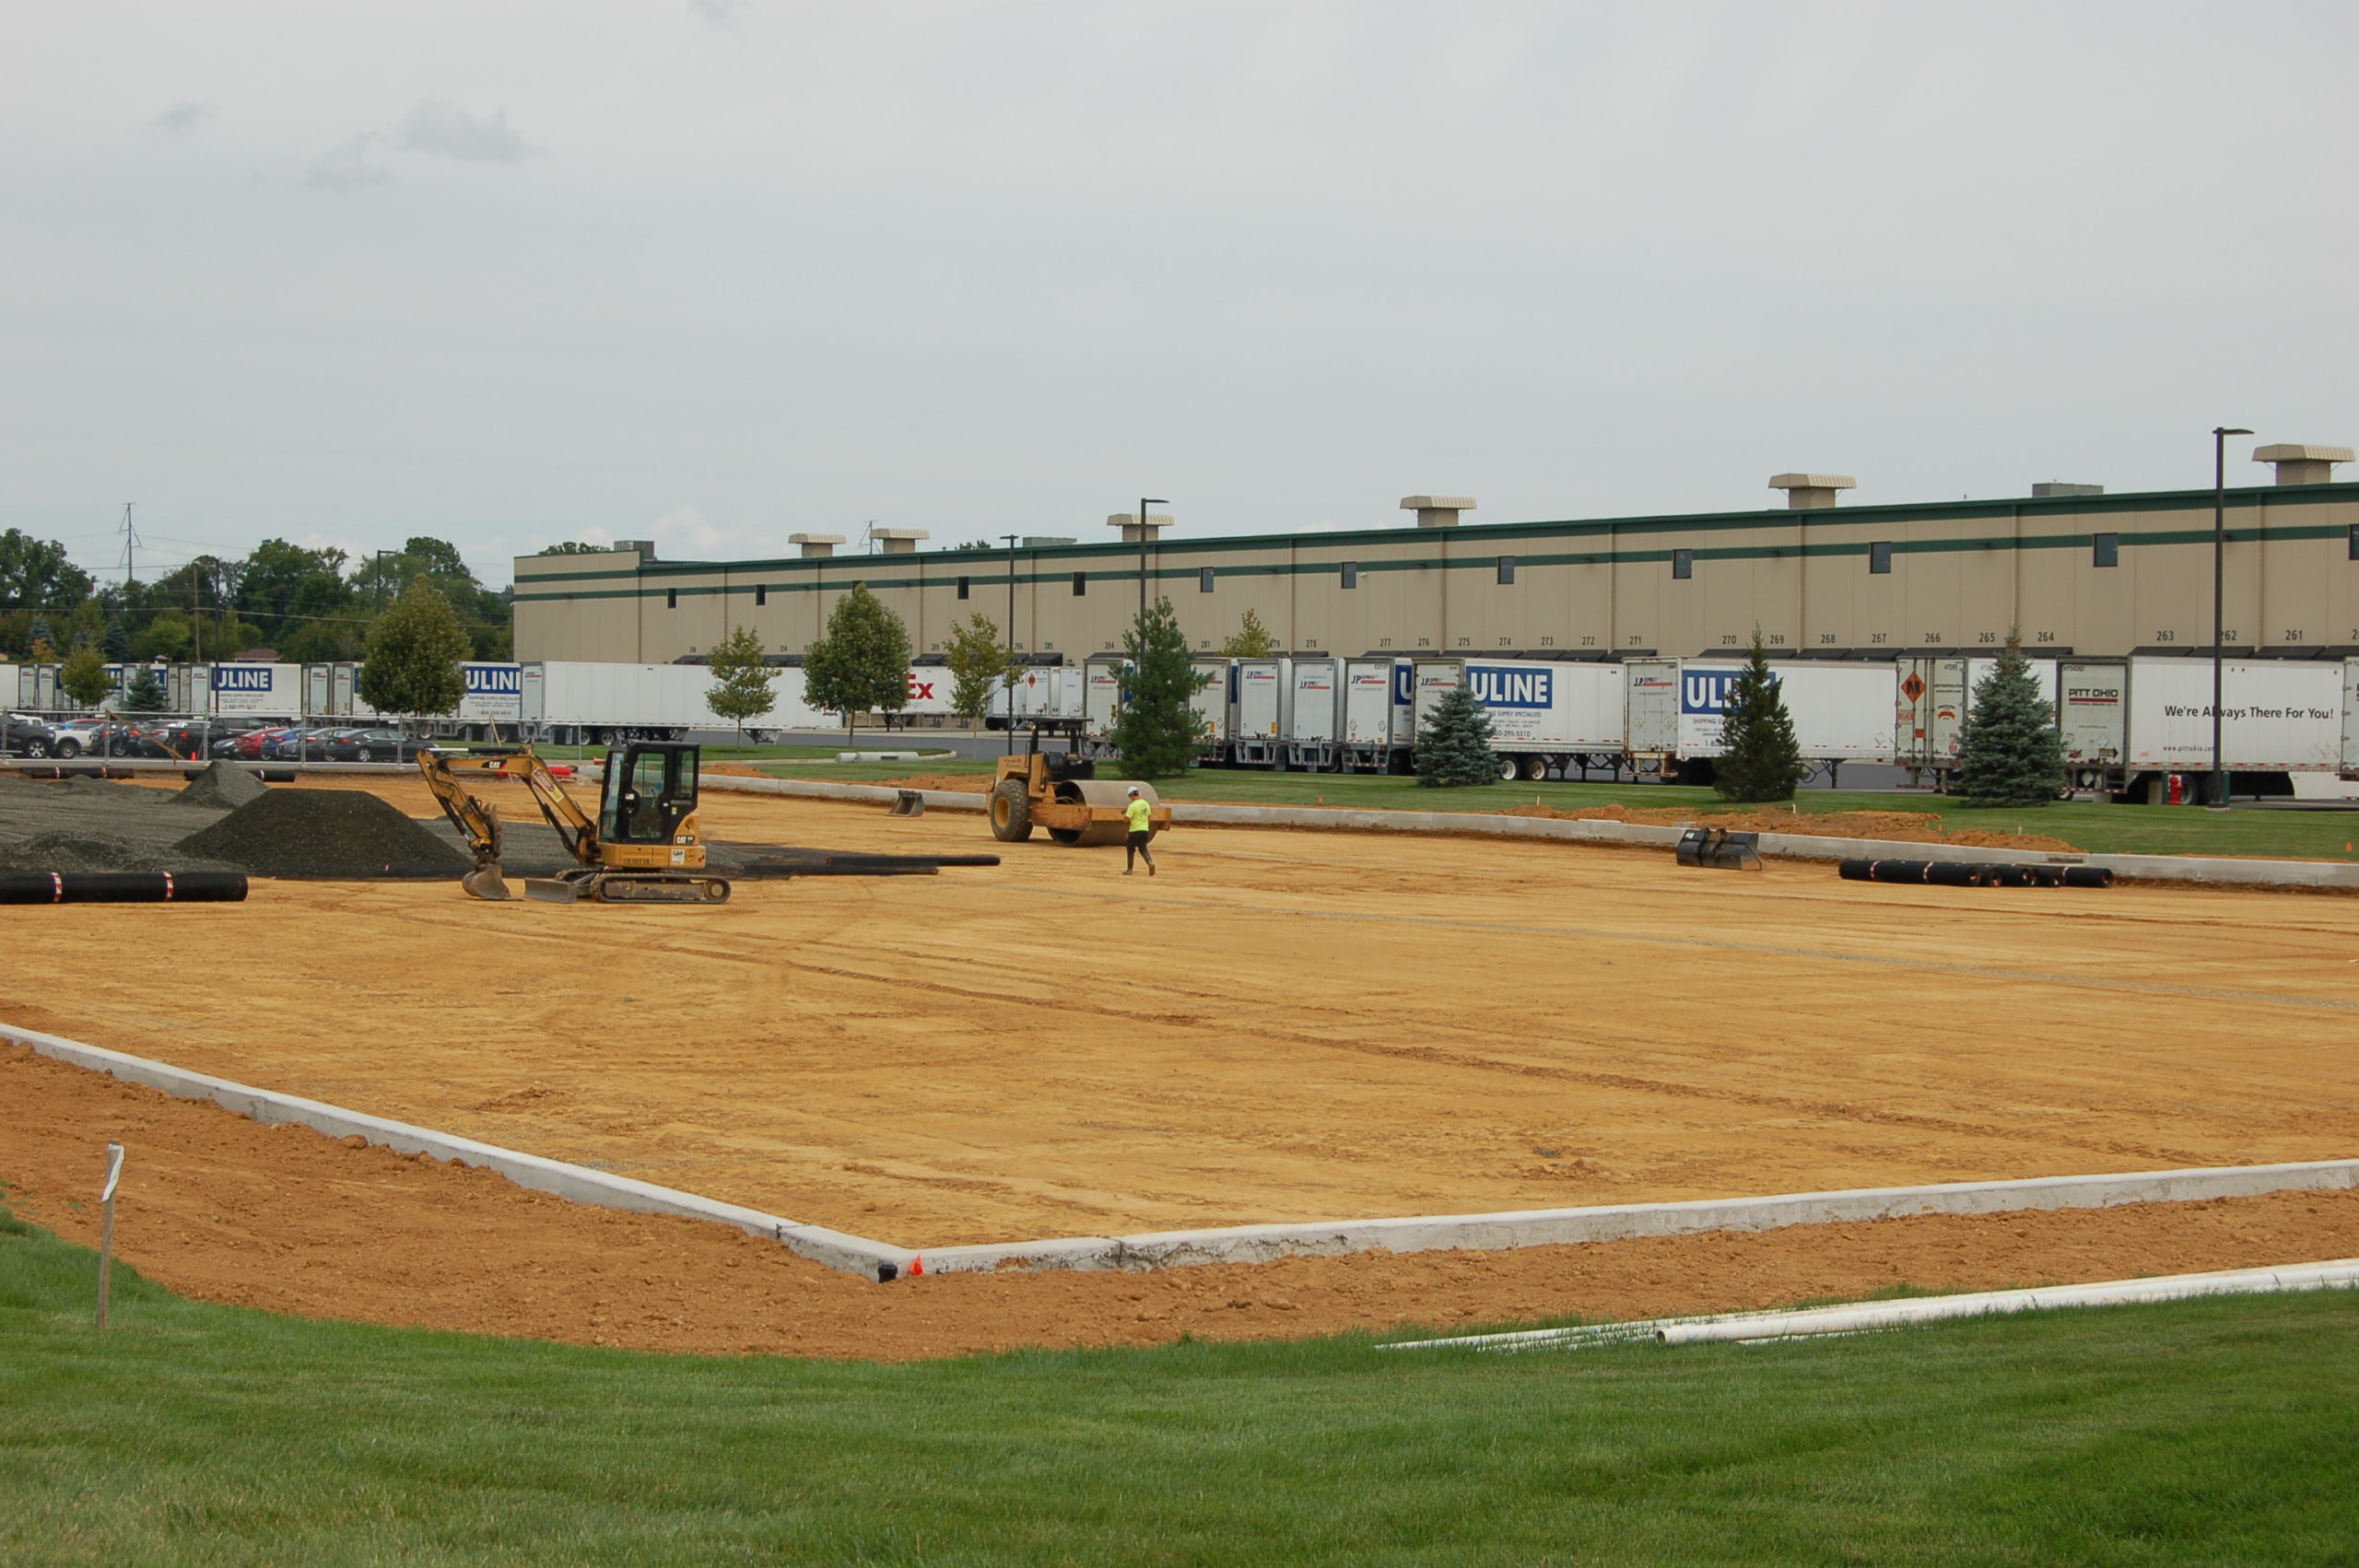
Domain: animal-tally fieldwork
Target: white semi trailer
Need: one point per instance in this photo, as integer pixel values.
(1931, 699)
(1264, 711)
(1674, 710)
(1379, 714)
(1314, 733)
(2130, 724)
(1216, 709)
(1543, 714)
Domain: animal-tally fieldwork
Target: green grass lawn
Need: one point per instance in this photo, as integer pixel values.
(2208, 1433)
(2106, 829)
(735, 754)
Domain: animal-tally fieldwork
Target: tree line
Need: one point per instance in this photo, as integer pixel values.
(307, 605)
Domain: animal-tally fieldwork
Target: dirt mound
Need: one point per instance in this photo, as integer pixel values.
(958, 783)
(223, 786)
(63, 851)
(1908, 828)
(322, 833)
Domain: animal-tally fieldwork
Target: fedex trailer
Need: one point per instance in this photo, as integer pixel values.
(1314, 733)
(1379, 714)
(1675, 710)
(1543, 714)
(2130, 724)
(1264, 711)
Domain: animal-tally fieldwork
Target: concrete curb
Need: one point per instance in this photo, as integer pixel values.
(1789, 846)
(1238, 1244)
(578, 1184)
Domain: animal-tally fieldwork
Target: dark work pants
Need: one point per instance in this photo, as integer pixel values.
(1135, 848)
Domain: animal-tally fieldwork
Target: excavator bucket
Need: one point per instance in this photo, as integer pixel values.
(485, 882)
(908, 802)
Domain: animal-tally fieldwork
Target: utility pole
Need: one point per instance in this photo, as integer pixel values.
(130, 542)
(2219, 801)
(1144, 502)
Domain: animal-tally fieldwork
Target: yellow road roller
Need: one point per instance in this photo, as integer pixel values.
(1060, 792)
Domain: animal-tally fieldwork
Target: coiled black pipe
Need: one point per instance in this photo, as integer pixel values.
(1975, 873)
(123, 887)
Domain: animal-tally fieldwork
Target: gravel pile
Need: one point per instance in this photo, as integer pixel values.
(69, 851)
(223, 786)
(324, 833)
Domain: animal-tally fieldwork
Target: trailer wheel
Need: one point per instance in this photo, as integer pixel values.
(1011, 812)
(1510, 768)
(1536, 767)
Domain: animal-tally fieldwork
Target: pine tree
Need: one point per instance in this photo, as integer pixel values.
(1252, 639)
(980, 666)
(2009, 753)
(863, 664)
(1156, 731)
(41, 644)
(411, 665)
(116, 641)
(146, 693)
(741, 685)
(1760, 759)
(1454, 743)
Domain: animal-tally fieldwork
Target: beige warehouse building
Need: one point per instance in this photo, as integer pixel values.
(2075, 569)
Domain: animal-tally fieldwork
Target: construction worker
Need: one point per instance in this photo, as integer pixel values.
(1135, 848)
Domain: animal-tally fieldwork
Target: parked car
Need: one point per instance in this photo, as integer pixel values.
(299, 743)
(247, 745)
(23, 736)
(375, 745)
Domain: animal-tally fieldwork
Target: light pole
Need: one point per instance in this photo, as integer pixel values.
(1144, 502)
(1007, 640)
(2220, 434)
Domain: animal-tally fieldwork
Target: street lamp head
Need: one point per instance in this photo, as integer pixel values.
(2230, 430)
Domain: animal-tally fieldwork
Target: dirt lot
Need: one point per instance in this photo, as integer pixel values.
(1282, 1026)
(222, 1208)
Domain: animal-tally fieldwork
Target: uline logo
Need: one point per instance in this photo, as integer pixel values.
(1706, 691)
(494, 680)
(242, 677)
(1510, 688)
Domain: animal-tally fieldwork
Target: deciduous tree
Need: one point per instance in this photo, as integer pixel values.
(412, 663)
(862, 663)
(742, 687)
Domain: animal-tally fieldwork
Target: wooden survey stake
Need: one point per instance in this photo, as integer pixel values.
(106, 1227)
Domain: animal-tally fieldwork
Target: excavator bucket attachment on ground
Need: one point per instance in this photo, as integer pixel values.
(1719, 848)
(485, 882)
(908, 802)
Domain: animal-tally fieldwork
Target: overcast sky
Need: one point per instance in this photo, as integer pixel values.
(715, 271)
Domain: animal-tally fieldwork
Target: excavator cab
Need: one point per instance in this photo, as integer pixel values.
(650, 789)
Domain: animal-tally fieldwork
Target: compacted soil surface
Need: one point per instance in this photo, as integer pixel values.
(225, 1210)
(1279, 1026)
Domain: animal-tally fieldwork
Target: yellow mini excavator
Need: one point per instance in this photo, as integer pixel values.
(641, 848)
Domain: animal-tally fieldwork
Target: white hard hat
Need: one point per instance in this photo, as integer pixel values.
(1134, 789)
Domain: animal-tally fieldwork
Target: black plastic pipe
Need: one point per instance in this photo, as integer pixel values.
(123, 887)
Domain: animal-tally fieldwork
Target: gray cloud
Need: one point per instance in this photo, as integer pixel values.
(348, 167)
(180, 117)
(439, 126)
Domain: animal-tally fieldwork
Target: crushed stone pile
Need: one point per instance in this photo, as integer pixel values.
(324, 833)
(223, 786)
(67, 852)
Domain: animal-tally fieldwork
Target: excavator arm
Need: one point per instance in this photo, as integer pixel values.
(448, 774)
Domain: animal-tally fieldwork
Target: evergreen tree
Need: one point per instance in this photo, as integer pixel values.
(412, 662)
(741, 679)
(1157, 731)
(1252, 639)
(863, 664)
(40, 641)
(146, 693)
(1760, 759)
(116, 641)
(980, 666)
(1454, 743)
(84, 676)
(2009, 752)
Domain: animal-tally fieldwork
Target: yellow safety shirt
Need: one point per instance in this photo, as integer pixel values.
(1138, 812)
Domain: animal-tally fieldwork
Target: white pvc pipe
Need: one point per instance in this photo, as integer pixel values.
(1864, 1317)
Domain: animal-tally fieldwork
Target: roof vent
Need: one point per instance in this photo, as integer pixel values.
(2299, 465)
(646, 548)
(2051, 488)
(815, 546)
(1437, 511)
(1806, 492)
(1044, 541)
(1129, 523)
(898, 540)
